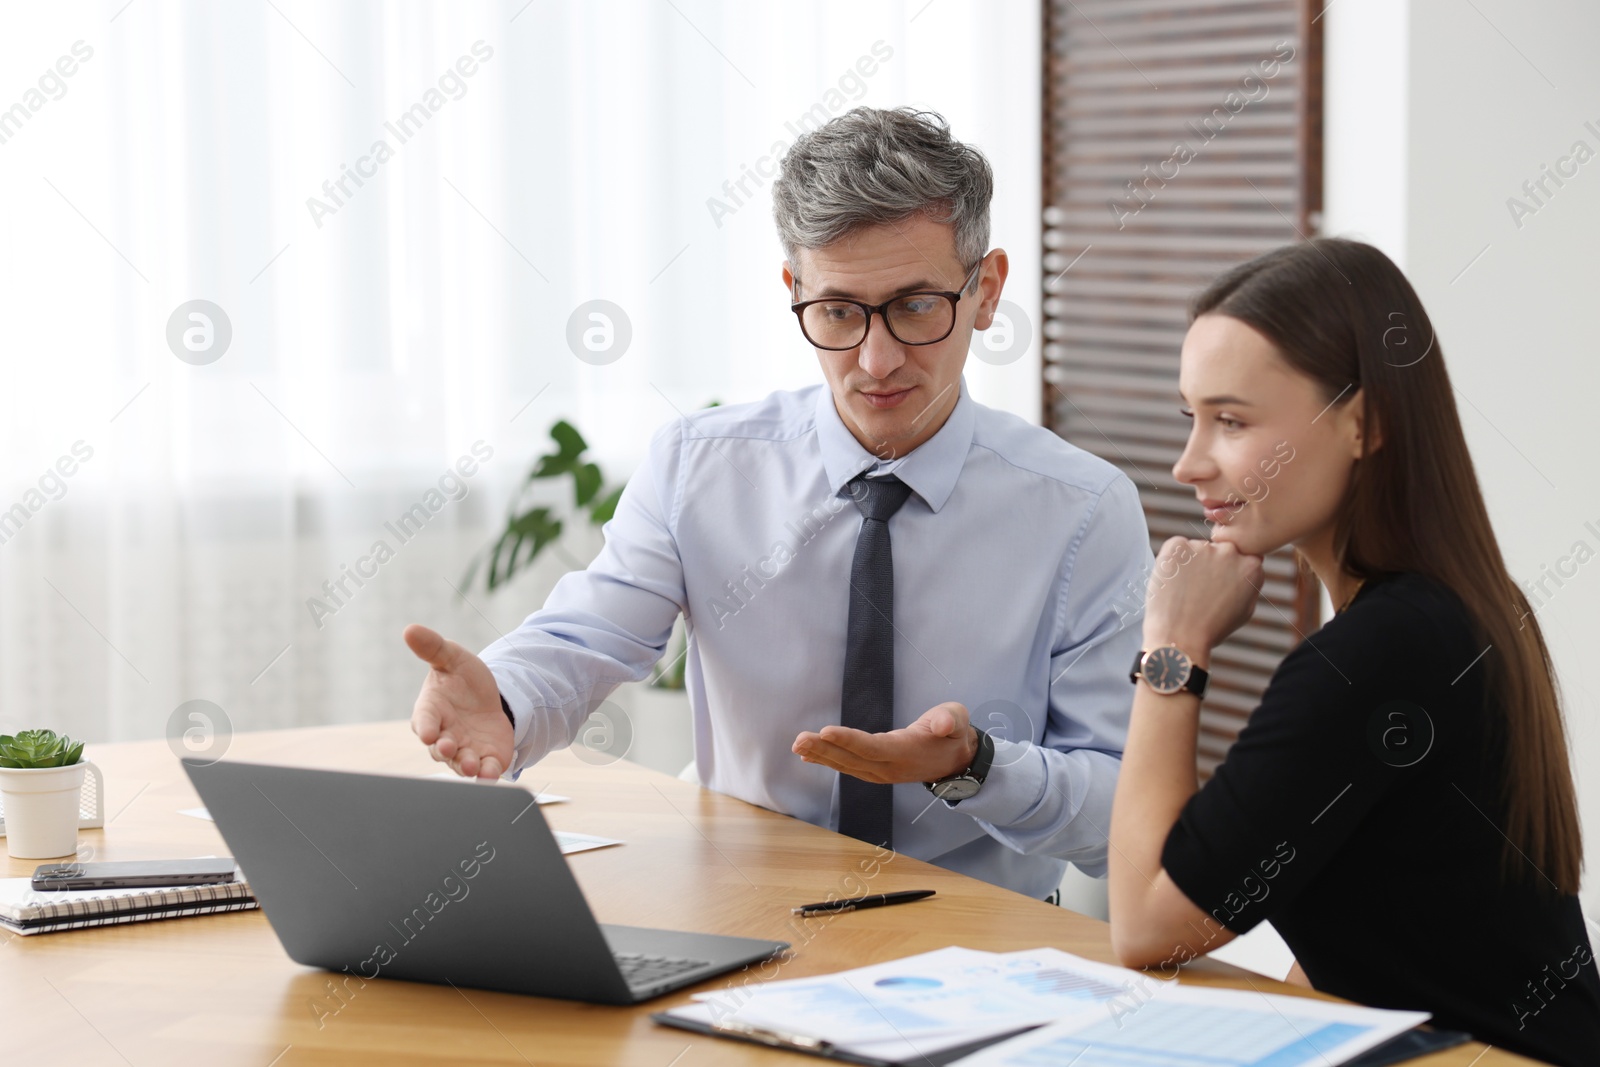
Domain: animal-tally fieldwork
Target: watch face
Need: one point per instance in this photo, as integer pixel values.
(955, 789)
(1166, 669)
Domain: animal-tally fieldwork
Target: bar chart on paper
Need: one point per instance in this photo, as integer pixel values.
(1204, 1028)
(1178, 1035)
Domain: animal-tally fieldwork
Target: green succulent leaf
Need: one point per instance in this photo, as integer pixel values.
(39, 748)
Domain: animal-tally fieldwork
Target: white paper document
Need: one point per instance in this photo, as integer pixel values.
(571, 842)
(543, 798)
(1191, 1027)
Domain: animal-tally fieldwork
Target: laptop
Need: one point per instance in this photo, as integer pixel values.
(433, 880)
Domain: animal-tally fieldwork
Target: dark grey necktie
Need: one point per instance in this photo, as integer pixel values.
(866, 809)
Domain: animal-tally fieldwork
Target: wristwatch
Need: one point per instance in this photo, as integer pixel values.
(1169, 670)
(958, 787)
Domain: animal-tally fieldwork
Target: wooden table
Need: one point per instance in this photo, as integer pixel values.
(219, 990)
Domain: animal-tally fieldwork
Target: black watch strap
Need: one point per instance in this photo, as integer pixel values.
(984, 759)
(507, 709)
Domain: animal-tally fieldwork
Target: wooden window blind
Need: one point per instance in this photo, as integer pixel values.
(1181, 138)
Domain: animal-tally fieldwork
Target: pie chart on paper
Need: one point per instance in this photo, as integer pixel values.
(908, 983)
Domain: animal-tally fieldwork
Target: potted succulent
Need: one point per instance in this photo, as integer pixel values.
(41, 777)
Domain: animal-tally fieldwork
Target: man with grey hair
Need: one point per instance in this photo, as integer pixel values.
(956, 692)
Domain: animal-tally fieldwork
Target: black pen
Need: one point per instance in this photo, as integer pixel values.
(876, 900)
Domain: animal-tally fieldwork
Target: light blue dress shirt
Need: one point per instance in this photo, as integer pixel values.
(1019, 570)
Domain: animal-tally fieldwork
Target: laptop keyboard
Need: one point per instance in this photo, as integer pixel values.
(642, 970)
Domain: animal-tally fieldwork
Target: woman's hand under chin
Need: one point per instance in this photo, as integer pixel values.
(1199, 593)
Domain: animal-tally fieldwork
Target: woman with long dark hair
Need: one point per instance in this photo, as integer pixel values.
(1400, 805)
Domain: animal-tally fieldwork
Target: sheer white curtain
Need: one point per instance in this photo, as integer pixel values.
(172, 520)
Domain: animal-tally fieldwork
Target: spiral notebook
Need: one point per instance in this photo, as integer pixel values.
(25, 910)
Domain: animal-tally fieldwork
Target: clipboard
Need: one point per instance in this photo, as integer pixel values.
(826, 1049)
(1407, 1046)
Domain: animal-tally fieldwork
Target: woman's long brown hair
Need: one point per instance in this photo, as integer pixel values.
(1341, 313)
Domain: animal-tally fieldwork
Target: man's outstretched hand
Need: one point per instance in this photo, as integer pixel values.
(457, 714)
(937, 745)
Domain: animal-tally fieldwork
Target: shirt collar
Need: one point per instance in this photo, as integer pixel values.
(931, 469)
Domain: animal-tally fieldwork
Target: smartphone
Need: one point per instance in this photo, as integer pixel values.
(133, 873)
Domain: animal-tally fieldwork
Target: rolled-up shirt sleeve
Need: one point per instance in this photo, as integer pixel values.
(1053, 795)
(601, 626)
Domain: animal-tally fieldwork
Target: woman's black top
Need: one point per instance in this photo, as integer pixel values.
(1360, 811)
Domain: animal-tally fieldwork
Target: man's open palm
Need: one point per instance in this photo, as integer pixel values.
(940, 743)
(457, 714)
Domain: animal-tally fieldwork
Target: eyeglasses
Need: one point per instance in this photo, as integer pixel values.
(836, 323)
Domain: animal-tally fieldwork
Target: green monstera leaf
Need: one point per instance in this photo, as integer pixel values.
(529, 530)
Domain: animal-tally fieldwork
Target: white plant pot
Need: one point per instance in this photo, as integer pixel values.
(41, 806)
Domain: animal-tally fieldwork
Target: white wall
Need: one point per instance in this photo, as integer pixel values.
(1437, 114)
(1365, 114)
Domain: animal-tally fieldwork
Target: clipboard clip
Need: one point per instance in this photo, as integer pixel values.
(774, 1038)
